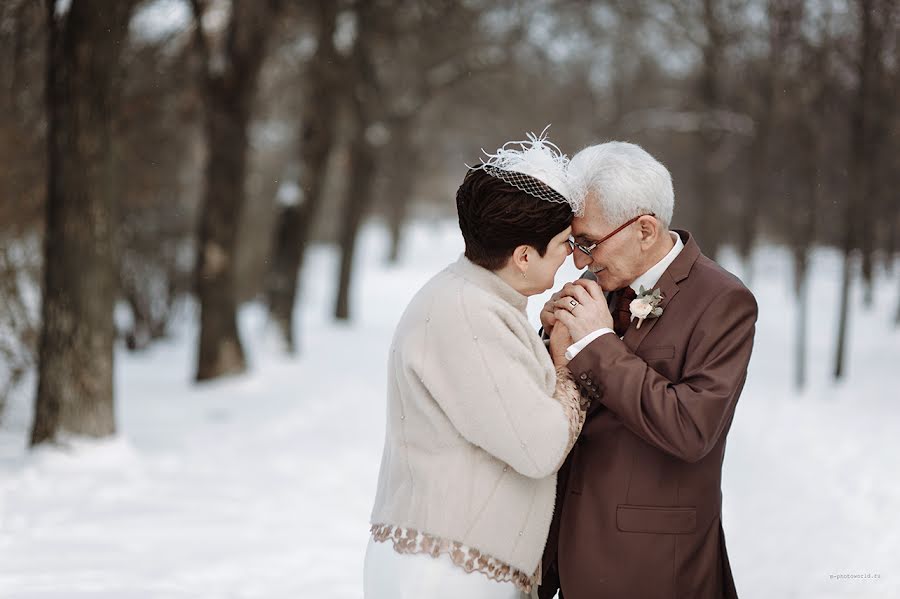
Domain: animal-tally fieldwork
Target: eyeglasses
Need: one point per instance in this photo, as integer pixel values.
(587, 249)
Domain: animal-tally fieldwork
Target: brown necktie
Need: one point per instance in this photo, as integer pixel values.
(621, 310)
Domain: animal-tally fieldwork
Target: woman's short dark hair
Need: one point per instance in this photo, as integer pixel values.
(495, 218)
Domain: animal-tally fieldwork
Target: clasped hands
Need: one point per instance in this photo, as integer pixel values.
(572, 313)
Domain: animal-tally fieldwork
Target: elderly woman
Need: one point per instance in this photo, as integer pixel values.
(479, 415)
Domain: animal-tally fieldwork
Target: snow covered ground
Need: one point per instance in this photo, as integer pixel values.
(261, 485)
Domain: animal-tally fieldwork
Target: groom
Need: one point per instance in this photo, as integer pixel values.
(639, 500)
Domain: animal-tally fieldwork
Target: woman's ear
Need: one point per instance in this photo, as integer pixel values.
(521, 258)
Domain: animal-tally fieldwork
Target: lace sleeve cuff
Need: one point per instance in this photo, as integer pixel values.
(573, 404)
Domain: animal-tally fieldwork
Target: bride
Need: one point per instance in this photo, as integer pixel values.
(479, 415)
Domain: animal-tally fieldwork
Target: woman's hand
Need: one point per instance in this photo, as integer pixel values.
(560, 340)
(548, 318)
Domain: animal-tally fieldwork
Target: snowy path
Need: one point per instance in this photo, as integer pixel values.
(261, 486)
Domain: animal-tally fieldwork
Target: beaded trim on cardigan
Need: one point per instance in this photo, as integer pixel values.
(408, 540)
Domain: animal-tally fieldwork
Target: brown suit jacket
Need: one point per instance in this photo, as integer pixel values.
(639, 499)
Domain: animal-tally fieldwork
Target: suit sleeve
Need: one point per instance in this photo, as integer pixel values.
(684, 418)
(491, 385)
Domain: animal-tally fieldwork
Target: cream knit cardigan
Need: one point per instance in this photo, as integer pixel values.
(476, 424)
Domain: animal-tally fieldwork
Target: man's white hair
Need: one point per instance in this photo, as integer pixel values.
(623, 180)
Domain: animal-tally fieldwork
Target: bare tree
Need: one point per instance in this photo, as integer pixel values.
(317, 132)
(710, 95)
(799, 112)
(19, 320)
(158, 165)
(783, 18)
(864, 148)
(402, 162)
(711, 27)
(443, 49)
(875, 120)
(230, 73)
(405, 56)
(22, 132)
(23, 149)
(363, 98)
(75, 379)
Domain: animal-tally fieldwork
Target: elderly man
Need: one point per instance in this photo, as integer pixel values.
(661, 339)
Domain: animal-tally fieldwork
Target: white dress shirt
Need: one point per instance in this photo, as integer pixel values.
(648, 281)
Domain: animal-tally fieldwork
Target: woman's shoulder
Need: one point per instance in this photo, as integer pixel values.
(451, 290)
(438, 296)
(452, 317)
(449, 299)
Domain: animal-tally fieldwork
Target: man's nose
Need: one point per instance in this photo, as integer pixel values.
(581, 259)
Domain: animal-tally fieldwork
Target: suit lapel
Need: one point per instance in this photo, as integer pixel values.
(668, 285)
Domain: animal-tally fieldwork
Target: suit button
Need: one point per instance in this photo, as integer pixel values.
(583, 376)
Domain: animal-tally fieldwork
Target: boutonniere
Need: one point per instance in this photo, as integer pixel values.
(646, 305)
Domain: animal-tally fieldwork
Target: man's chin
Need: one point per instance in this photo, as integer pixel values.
(604, 280)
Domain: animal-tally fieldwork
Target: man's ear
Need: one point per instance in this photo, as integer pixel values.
(649, 230)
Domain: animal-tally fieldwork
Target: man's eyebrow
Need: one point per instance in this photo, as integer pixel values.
(584, 239)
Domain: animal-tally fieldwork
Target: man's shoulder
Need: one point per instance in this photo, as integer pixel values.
(711, 278)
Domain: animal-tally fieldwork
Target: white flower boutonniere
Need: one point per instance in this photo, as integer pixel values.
(646, 305)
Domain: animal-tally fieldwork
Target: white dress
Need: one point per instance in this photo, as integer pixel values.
(391, 575)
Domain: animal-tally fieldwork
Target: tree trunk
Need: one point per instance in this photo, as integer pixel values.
(784, 18)
(758, 194)
(861, 158)
(897, 315)
(75, 374)
(805, 234)
(801, 288)
(878, 105)
(362, 170)
(710, 221)
(805, 229)
(401, 172)
(396, 222)
(364, 99)
(759, 159)
(846, 284)
(868, 266)
(229, 91)
(316, 140)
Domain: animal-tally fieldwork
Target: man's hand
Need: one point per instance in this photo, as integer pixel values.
(547, 317)
(560, 340)
(582, 308)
